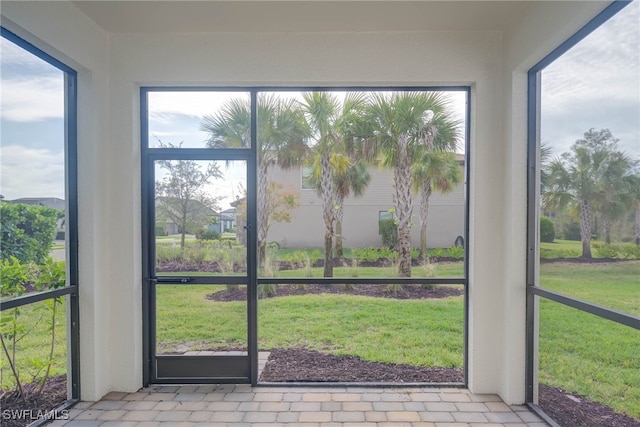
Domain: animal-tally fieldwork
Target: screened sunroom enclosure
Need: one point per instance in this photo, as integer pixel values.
(235, 218)
(147, 316)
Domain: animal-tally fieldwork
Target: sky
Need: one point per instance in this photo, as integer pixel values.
(594, 85)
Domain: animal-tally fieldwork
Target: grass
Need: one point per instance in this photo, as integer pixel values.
(590, 356)
(583, 353)
(417, 332)
(615, 285)
(578, 352)
(33, 345)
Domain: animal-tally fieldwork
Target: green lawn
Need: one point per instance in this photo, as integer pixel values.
(615, 285)
(578, 352)
(583, 353)
(420, 332)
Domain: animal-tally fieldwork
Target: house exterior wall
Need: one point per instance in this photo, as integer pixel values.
(361, 214)
(112, 67)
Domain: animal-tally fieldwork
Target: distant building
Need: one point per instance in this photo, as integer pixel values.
(362, 215)
(52, 202)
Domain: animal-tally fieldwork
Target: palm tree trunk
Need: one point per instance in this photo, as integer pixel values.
(585, 228)
(263, 212)
(425, 193)
(339, 214)
(607, 231)
(403, 202)
(638, 224)
(326, 183)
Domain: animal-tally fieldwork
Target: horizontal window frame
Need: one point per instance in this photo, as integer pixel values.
(35, 297)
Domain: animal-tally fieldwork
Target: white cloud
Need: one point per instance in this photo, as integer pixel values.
(32, 98)
(28, 172)
(14, 55)
(596, 84)
(162, 105)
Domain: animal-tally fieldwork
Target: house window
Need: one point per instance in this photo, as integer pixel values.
(306, 172)
(384, 216)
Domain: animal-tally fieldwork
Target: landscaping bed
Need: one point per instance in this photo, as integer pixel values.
(572, 410)
(375, 291)
(53, 394)
(301, 365)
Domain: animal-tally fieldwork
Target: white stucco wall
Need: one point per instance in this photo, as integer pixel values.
(323, 59)
(61, 30)
(113, 67)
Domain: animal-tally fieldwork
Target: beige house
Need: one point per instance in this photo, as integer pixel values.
(362, 214)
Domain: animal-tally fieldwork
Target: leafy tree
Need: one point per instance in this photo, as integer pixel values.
(616, 193)
(181, 197)
(355, 180)
(282, 132)
(403, 125)
(579, 178)
(331, 122)
(26, 231)
(281, 202)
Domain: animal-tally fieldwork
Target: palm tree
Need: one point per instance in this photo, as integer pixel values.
(616, 191)
(434, 170)
(282, 132)
(355, 180)
(576, 179)
(330, 122)
(404, 124)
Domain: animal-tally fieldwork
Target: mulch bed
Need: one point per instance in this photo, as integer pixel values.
(53, 395)
(572, 410)
(300, 365)
(376, 291)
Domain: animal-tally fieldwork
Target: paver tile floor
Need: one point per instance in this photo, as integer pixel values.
(243, 405)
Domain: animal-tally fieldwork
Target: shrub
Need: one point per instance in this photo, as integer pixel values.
(456, 252)
(389, 233)
(168, 253)
(366, 254)
(630, 251)
(571, 231)
(437, 253)
(26, 232)
(606, 251)
(207, 235)
(387, 253)
(547, 230)
(196, 254)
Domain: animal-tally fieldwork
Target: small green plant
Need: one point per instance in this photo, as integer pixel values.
(607, 251)
(52, 275)
(438, 253)
(14, 277)
(267, 290)
(196, 254)
(366, 254)
(207, 235)
(547, 230)
(415, 253)
(387, 254)
(630, 251)
(456, 252)
(168, 253)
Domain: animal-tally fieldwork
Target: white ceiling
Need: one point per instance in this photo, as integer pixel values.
(302, 16)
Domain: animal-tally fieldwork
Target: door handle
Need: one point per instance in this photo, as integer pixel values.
(173, 279)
